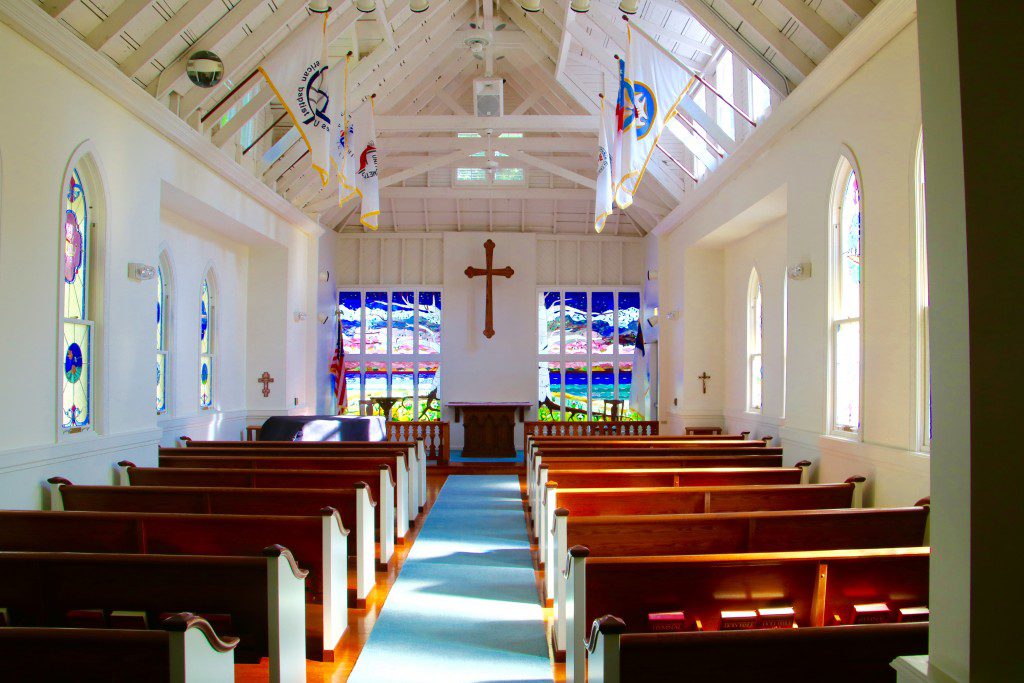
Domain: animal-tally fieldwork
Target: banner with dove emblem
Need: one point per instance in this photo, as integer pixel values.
(624, 140)
(605, 188)
(297, 73)
(363, 160)
(658, 83)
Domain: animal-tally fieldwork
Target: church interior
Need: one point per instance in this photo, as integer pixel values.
(509, 340)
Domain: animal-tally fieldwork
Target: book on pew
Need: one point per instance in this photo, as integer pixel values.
(870, 613)
(666, 622)
(905, 614)
(776, 617)
(127, 619)
(738, 620)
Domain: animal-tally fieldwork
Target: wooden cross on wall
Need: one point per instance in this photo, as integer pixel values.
(489, 272)
(266, 380)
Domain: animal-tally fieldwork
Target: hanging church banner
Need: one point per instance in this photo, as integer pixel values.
(605, 190)
(297, 73)
(657, 82)
(341, 138)
(362, 159)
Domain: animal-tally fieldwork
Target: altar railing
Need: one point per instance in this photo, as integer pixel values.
(591, 428)
(435, 435)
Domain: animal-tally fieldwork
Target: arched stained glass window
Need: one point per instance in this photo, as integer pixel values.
(76, 380)
(755, 334)
(161, 338)
(206, 345)
(846, 303)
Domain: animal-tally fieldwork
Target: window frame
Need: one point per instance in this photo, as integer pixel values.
(923, 412)
(616, 358)
(845, 166)
(755, 339)
(85, 162)
(211, 355)
(389, 358)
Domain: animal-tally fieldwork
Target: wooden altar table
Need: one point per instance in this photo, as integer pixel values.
(489, 427)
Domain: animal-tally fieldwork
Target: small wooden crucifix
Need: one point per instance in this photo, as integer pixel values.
(704, 377)
(266, 380)
(489, 271)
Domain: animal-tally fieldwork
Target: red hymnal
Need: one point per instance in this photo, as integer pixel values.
(666, 621)
(870, 613)
(776, 617)
(738, 619)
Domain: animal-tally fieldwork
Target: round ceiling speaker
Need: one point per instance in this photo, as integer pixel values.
(419, 5)
(530, 5)
(580, 6)
(629, 6)
(204, 69)
(366, 5)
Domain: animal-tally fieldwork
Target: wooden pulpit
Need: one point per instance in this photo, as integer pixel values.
(489, 427)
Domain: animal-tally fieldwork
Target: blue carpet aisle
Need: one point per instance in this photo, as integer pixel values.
(465, 606)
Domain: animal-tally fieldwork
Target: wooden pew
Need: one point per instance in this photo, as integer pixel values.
(354, 506)
(381, 487)
(855, 654)
(415, 450)
(184, 649)
(730, 532)
(319, 543)
(246, 460)
(699, 491)
(648, 459)
(821, 587)
(686, 472)
(264, 596)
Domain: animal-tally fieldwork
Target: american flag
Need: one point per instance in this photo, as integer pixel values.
(338, 373)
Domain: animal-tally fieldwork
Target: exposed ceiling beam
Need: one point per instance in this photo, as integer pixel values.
(173, 77)
(163, 36)
(813, 22)
(727, 34)
(423, 91)
(108, 29)
(395, 144)
(859, 7)
(530, 193)
(610, 17)
(563, 47)
(572, 123)
(261, 99)
(429, 165)
(55, 8)
(787, 50)
(553, 168)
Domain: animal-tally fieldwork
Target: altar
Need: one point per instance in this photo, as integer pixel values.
(489, 427)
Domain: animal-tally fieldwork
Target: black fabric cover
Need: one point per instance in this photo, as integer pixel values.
(323, 428)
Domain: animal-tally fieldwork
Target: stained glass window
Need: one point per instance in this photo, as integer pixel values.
(755, 332)
(846, 300)
(161, 342)
(206, 345)
(586, 345)
(392, 345)
(76, 382)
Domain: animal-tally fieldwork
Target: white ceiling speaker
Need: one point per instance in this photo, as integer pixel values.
(488, 96)
(477, 44)
(419, 5)
(366, 5)
(319, 6)
(580, 6)
(530, 5)
(629, 6)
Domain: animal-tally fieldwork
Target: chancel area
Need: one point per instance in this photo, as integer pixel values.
(509, 340)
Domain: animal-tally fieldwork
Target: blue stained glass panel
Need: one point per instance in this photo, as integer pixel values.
(206, 383)
(76, 249)
(403, 385)
(576, 322)
(429, 322)
(602, 322)
(350, 307)
(204, 318)
(376, 328)
(550, 322)
(625, 382)
(403, 312)
(602, 386)
(629, 321)
(161, 382)
(353, 388)
(550, 389)
(375, 380)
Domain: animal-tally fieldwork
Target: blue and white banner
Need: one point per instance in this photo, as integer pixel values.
(605, 187)
(657, 83)
(297, 73)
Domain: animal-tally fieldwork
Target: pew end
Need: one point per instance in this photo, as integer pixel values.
(926, 502)
(858, 482)
(575, 628)
(286, 592)
(603, 649)
(197, 653)
(365, 552)
(121, 469)
(805, 471)
(335, 579)
(56, 499)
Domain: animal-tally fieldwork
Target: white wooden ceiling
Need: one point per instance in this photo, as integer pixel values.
(554, 62)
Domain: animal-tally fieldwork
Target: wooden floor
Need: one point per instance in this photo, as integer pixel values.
(360, 621)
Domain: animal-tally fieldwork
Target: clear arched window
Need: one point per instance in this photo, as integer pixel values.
(207, 321)
(162, 299)
(846, 299)
(755, 335)
(78, 326)
(924, 400)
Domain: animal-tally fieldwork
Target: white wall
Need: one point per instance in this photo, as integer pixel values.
(145, 177)
(474, 368)
(875, 114)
